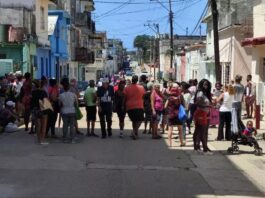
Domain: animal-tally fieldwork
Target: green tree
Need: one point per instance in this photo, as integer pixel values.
(143, 44)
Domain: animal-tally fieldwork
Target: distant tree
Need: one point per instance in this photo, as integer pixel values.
(143, 43)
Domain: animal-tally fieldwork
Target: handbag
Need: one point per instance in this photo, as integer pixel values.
(45, 104)
(78, 113)
(182, 114)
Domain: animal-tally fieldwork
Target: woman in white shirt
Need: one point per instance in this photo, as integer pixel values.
(225, 115)
(68, 102)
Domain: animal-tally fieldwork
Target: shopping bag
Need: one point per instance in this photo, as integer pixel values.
(45, 104)
(78, 113)
(214, 116)
(182, 114)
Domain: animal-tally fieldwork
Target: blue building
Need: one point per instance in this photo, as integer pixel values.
(43, 61)
(58, 24)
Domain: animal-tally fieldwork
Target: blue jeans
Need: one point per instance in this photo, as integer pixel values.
(68, 121)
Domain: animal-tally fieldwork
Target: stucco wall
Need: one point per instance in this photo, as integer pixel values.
(259, 21)
(232, 52)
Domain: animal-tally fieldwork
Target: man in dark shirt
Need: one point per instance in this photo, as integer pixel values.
(105, 96)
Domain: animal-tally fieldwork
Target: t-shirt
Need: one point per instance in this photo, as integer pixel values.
(37, 94)
(239, 91)
(67, 99)
(227, 103)
(134, 97)
(202, 101)
(106, 96)
(90, 97)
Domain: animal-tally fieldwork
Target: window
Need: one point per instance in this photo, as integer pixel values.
(226, 73)
(2, 56)
(42, 18)
(263, 65)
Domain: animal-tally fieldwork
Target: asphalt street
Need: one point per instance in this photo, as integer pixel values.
(123, 168)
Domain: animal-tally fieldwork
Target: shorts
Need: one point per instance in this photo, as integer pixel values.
(121, 115)
(91, 112)
(157, 117)
(174, 121)
(136, 115)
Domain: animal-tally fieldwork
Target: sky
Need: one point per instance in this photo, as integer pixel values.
(125, 19)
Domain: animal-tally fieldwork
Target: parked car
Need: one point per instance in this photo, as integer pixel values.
(82, 85)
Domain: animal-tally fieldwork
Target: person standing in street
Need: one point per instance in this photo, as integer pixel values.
(105, 95)
(74, 89)
(119, 105)
(157, 104)
(26, 98)
(250, 96)
(91, 108)
(39, 117)
(53, 93)
(237, 103)
(203, 102)
(225, 115)
(68, 102)
(135, 105)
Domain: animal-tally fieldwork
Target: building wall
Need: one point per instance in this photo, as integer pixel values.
(15, 53)
(41, 16)
(43, 64)
(259, 22)
(232, 53)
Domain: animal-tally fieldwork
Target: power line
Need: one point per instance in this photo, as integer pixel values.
(140, 3)
(114, 9)
(200, 19)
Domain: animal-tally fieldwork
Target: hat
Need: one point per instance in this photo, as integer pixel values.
(10, 103)
(105, 80)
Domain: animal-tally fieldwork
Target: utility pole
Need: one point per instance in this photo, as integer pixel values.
(156, 51)
(171, 39)
(218, 71)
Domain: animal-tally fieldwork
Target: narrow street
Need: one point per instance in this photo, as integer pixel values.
(121, 168)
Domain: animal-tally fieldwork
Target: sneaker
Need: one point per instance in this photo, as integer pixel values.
(207, 153)
(121, 135)
(73, 142)
(103, 137)
(44, 143)
(79, 133)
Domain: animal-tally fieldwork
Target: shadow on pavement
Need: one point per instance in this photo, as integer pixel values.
(118, 168)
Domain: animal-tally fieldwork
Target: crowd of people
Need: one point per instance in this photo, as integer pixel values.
(175, 104)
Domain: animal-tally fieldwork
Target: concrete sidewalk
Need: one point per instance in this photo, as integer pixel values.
(122, 168)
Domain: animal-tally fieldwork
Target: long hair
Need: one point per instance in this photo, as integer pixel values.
(206, 92)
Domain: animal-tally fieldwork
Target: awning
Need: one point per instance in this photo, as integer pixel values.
(52, 20)
(249, 42)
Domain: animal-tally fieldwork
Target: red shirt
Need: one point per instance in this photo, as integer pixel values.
(134, 97)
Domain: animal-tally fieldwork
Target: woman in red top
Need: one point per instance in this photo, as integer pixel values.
(26, 99)
(135, 104)
(53, 92)
(172, 105)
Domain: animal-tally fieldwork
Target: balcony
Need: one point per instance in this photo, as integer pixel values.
(84, 20)
(84, 55)
(16, 34)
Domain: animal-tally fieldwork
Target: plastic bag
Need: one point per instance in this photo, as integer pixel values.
(182, 114)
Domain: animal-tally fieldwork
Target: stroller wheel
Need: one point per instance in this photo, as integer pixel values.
(258, 151)
(230, 150)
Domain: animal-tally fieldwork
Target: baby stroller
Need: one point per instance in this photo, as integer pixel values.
(239, 139)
